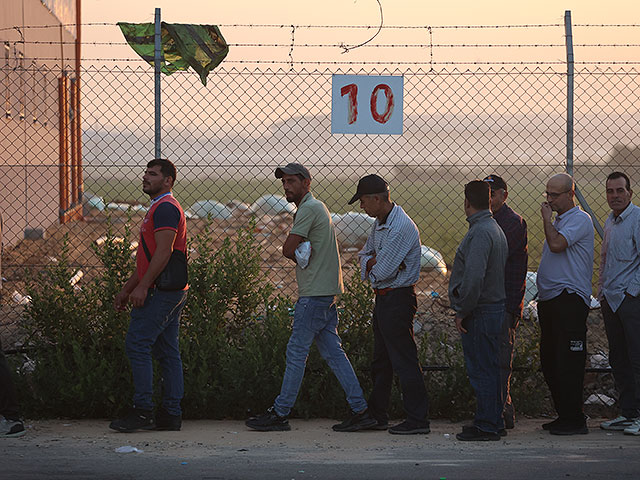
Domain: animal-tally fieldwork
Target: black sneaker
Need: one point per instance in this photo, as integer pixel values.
(136, 420)
(11, 428)
(465, 428)
(474, 434)
(549, 425)
(168, 422)
(409, 428)
(569, 429)
(357, 421)
(380, 425)
(269, 422)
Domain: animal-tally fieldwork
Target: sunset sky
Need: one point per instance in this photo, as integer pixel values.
(396, 13)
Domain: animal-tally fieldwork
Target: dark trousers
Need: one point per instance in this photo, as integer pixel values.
(563, 351)
(9, 408)
(395, 351)
(623, 332)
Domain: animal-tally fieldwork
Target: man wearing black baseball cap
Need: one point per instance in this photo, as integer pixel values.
(369, 185)
(315, 317)
(515, 274)
(390, 260)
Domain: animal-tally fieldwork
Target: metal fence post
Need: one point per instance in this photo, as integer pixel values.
(570, 97)
(156, 65)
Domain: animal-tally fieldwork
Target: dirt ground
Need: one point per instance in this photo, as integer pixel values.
(228, 450)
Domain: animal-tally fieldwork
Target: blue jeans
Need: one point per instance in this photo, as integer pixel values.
(316, 318)
(154, 329)
(482, 346)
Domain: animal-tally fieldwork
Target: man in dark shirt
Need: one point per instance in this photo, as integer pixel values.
(515, 273)
(155, 316)
(476, 293)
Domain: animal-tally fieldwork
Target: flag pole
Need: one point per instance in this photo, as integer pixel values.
(157, 57)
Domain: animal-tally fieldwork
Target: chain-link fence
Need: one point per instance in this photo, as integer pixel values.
(227, 138)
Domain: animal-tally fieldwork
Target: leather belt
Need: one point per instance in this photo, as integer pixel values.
(382, 291)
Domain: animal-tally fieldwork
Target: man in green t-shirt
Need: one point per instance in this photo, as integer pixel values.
(316, 317)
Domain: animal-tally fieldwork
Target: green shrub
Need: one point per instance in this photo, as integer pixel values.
(529, 391)
(76, 337)
(234, 334)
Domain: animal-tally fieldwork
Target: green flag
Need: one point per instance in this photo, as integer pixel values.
(200, 47)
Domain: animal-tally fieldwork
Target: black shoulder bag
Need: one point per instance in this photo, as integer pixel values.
(175, 275)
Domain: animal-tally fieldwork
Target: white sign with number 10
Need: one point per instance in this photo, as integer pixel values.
(366, 104)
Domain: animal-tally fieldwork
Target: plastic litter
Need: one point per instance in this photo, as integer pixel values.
(599, 360)
(128, 449)
(204, 208)
(303, 254)
(124, 207)
(531, 290)
(28, 366)
(431, 259)
(76, 278)
(238, 207)
(530, 311)
(352, 229)
(271, 205)
(20, 299)
(91, 202)
(599, 399)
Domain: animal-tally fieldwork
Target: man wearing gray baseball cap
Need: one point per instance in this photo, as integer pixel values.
(315, 317)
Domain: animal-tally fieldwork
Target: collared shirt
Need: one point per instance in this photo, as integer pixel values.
(323, 275)
(477, 276)
(394, 243)
(515, 270)
(572, 268)
(620, 256)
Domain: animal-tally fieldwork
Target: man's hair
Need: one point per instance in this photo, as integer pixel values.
(614, 175)
(167, 168)
(476, 192)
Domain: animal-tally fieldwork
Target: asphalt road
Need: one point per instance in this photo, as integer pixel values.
(227, 450)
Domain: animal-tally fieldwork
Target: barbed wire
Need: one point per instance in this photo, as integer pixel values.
(346, 49)
(381, 45)
(384, 27)
(330, 62)
(364, 62)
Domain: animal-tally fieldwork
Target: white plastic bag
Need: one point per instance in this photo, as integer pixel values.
(303, 254)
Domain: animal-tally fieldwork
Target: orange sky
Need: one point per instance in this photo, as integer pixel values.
(396, 12)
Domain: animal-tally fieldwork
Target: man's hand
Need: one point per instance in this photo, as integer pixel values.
(459, 326)
(370, 263)
(138, 296)
(121, 300)
(545, 211)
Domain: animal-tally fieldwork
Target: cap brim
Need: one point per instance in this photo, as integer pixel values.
(280, 172)
(355, 198)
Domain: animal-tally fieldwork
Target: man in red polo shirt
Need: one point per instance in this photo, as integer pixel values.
(155, 314)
